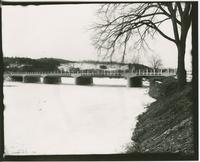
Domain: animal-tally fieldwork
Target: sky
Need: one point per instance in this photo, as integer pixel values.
(63, 32)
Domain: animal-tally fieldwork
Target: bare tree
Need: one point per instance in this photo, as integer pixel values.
(132, 24)
(155, 61)
(136, 59)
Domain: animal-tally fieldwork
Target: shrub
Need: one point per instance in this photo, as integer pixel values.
(169, 86)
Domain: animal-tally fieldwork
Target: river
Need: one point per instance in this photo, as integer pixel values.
(70, 119)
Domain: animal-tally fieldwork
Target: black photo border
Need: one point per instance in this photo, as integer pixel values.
(107, 157)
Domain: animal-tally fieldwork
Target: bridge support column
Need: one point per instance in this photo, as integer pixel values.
(31, 79)
(134, 82)
(17, 78)
(52, 80)
(83, 80)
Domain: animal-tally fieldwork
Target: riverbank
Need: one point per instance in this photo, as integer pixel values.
(167, 125)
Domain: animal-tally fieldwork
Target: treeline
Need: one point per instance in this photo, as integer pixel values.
(22, 64)
(32, 65)
(136, 66)
(103, 62)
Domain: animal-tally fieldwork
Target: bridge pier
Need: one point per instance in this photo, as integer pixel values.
(52, 80)
(134, 82)
(17, 78)
(83, 80)
(31, 79)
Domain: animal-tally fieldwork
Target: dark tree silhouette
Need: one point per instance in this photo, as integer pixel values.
(121, 25)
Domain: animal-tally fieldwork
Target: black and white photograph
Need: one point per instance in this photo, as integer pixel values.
(92, 80)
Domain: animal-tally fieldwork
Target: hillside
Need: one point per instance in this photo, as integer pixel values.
(20, 64)
(167, 125)
(32, 65)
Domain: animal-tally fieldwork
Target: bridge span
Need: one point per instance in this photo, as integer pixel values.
(134, 79)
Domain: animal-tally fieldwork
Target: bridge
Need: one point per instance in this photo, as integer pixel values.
(134, 79)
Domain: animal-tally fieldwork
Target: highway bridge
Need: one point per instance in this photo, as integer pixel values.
(134, 79)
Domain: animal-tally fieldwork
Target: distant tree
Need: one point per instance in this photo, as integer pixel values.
(155, 61)
(135, 59)
(121, 23)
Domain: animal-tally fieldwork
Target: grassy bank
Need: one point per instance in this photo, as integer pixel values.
(166, 126)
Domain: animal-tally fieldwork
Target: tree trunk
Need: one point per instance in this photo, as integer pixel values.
(181, 72)
(195, 44)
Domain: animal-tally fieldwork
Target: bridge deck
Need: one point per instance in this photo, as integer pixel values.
(99, 74)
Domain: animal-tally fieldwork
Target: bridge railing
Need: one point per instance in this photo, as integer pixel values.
(103, 73)
(156, 72)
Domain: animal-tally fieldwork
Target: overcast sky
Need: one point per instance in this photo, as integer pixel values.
(62, 32)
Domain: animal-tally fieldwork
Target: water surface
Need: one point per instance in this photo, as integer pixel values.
(71, 119)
